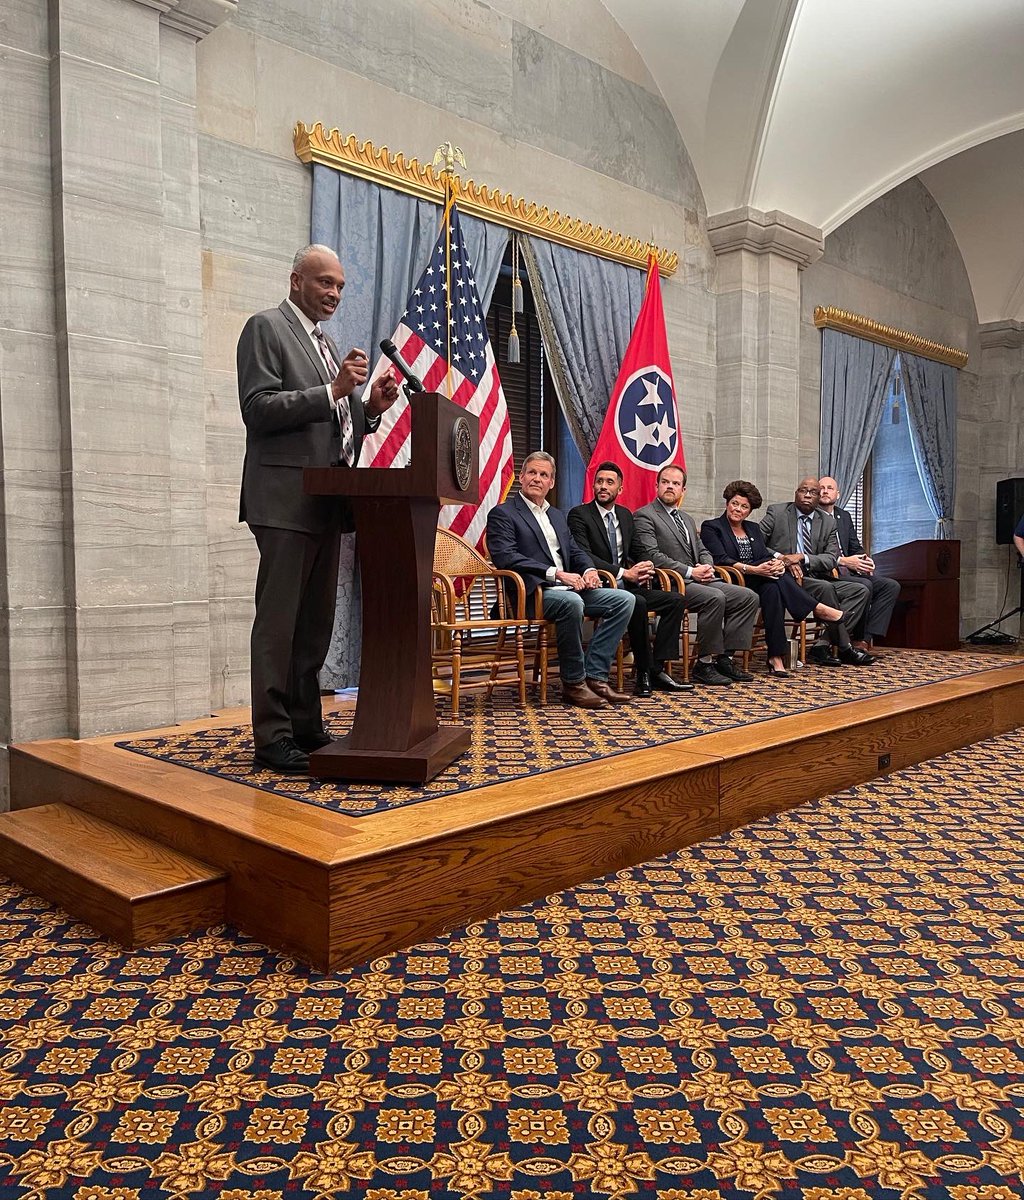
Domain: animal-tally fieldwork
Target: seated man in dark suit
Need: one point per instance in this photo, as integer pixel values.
(725, 613)
(528, 536)
(604, 531)
(854, 560)
(806, 538)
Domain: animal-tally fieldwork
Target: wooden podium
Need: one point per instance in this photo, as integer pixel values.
(927, 615)
(395, 735)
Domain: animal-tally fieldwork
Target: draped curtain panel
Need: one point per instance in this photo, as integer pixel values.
(383, 239)
(586, 307)
(854, 382)
(930, 388)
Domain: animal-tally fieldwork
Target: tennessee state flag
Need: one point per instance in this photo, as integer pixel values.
(641, 429)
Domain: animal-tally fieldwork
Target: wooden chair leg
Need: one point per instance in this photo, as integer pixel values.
(456, 671)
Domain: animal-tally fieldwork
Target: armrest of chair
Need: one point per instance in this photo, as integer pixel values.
(607, 578)
(670, 581)
(454, 593)
(731, 575)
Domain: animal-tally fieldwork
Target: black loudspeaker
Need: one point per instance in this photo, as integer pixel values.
(1009, 508)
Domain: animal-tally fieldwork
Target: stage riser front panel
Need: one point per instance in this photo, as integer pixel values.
(414, 894)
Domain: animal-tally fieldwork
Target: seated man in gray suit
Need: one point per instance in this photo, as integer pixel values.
(296, 395)
(806, 538)
(725, 613)
(854, 560)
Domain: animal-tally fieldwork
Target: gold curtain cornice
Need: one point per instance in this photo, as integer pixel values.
(887, 335)
(313, 143)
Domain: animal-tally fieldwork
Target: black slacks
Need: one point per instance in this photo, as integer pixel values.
(296, 589)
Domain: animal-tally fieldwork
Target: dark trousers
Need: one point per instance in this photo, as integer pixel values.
(875, 621)
(777, 596)
(670, 607)
(296, 588)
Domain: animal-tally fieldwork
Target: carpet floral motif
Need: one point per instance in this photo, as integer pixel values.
(825, 1005)
(510, 742)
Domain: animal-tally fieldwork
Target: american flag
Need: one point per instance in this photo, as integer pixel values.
(423, 341)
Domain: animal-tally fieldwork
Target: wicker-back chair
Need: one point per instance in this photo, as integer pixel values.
(478, 621)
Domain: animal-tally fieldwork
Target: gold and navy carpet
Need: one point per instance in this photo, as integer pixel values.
(511, 742)
(824, 1005)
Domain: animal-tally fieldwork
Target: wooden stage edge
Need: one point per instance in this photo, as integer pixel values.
(338, 891)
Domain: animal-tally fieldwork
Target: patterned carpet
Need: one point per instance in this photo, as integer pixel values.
(510, 742)
(825, 1005)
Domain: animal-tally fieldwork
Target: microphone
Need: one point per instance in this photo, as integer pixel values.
(391, 351)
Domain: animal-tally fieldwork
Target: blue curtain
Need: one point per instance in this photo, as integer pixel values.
(930, 388)
(586, 308)
(854, 381)
(383, 239)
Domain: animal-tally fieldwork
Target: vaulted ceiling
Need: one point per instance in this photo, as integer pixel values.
(818, 107)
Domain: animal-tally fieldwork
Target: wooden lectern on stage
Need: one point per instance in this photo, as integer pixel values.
(395, 735)
(927, 615)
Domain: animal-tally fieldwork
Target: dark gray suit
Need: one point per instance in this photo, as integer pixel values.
(725, 613)
(779, 527)
(884, 591)
(290, 424)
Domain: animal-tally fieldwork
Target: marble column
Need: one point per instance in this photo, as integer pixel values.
(105, 621)
(996, 452)
(758, 429)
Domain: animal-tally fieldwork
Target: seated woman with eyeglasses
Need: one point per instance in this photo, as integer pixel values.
(733, 541)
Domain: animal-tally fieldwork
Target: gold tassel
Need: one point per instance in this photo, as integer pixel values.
(517, 283)
(513, 345)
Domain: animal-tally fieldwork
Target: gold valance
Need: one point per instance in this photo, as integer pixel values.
(899, 339)
(315, 144)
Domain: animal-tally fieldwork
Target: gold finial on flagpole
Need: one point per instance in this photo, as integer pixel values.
(446, 156)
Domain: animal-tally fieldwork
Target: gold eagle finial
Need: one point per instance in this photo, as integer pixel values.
(446, 156)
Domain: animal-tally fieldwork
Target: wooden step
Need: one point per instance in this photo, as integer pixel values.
(131, 889)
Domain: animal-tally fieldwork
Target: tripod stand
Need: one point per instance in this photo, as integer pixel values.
(1001, 638)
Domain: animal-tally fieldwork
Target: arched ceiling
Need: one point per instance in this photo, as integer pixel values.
(818, 107)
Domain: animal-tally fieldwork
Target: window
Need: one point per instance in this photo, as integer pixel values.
(894, 508)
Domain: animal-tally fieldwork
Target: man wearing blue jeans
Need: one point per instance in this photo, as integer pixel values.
(528, 536)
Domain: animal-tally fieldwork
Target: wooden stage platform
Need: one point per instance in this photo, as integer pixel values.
(188, 849)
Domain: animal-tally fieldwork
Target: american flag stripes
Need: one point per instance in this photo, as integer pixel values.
(443, 317)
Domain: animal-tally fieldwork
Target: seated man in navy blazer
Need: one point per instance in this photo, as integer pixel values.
(528, 536)
(604, 530)
(854, 560)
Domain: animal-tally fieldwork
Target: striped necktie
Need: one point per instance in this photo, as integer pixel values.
(343, 408)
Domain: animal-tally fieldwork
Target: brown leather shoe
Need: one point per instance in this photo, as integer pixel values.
(605, 690)
(580, 695)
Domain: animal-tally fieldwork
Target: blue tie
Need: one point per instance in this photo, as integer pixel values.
(803, 534)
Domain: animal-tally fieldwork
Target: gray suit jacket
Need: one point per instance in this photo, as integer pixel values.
(289, 424)
(779, 528)
(658, 538)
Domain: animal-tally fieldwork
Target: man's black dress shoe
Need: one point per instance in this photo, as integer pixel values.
(725, 666)
(282, 756)
(642, 687)
(313, 741)
(708, 673)
(855, 657)
(662, 681)
(821, 656)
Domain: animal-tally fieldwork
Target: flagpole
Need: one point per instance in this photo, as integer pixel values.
(449, 197)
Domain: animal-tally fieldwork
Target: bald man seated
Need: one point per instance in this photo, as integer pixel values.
(854, 561)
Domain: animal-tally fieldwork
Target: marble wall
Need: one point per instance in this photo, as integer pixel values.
(897, 262)
(547, 101)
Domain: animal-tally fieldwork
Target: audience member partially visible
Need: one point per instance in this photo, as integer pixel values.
(604, 531)
(855, 560)
(733, 541)
(806, 539)
(725, 613)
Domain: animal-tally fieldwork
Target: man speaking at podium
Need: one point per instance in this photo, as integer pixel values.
(296, 394)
